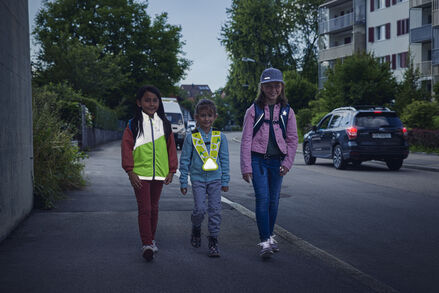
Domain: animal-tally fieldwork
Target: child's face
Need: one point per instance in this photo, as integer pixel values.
(205, 118)
(271, 91)
(149, 103)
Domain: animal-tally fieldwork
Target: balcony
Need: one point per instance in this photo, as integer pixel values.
(435, 57)
(424, 68)
(421, 34)
(419, 3)
(336, 24)
(336, 52)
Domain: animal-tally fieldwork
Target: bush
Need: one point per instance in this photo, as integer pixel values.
(419, 114)
(70, 101)
(428, 139)
(304, 117)
(57, 163)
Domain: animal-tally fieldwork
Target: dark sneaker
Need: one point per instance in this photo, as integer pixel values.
(213, 247)
(148, 252)
(266, 250)
(196, 236)
(273, 243)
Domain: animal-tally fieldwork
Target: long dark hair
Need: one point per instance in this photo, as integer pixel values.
(137, 121)
(260, 99)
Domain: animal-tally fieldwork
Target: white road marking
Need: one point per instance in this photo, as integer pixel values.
(310, 249)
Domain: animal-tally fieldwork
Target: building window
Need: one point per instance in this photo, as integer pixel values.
(402, 60)
(402, 27)
(347, 40)
(380, 32)
(379, 4)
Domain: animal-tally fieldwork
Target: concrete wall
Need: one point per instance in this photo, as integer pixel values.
(16, 163)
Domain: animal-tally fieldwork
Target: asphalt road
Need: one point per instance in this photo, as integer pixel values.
(384, 223)
(358, 230)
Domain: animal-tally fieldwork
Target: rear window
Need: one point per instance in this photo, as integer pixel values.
(174, 118)
(375, 120)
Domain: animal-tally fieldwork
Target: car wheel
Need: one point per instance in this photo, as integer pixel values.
(394, 164)
(307, 155)
(338, 160)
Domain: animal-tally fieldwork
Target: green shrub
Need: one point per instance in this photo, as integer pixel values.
(57, 163)
(419, 114)
(426, 139)
(304, 117)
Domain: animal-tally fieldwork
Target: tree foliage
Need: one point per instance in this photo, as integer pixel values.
(410, 89)
(265, 31)
(107, 49)
(298, 90)
(359, 80)
(420, 114)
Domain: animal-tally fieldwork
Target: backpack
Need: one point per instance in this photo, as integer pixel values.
(260, 115)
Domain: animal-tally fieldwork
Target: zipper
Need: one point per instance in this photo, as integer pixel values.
(153, 149)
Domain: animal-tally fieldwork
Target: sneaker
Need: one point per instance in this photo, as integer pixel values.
(273, 243)
(147, 252)
(155, 249)
(196, 236)
(266, 250)
(213, 247)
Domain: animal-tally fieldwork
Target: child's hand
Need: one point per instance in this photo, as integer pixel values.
(247, 177)
(183, 191)
(168, 178)
(283, 171)
(225, 188)
(135, 181)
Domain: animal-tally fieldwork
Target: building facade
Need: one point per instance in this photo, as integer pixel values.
(388, 33)
(342, 32)
(424, 39)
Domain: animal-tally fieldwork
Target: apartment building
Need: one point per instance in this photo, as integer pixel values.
(424, 39)
(381, 27)
(388, 33)
(342, 32)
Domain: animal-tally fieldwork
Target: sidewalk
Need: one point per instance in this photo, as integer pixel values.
(90, 243)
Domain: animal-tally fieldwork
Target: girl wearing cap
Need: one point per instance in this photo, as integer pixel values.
(268, 147)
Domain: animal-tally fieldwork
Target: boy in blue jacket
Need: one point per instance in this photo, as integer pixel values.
(205, 157)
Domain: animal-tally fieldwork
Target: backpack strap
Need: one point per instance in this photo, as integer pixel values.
(260, 118)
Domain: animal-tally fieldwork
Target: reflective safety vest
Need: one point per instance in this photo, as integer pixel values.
(209, 159)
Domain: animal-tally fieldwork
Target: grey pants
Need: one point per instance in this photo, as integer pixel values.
(212, 192)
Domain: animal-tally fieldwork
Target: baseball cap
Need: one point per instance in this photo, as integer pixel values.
(271, 74)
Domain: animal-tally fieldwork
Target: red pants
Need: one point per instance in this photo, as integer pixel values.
(148, 205)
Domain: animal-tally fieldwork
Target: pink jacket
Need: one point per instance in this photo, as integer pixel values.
(259, 142)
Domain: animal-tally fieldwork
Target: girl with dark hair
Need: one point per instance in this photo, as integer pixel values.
(268, 147)
(149, 157)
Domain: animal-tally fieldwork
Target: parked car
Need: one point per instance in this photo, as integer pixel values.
(175, 116)
(357, 134)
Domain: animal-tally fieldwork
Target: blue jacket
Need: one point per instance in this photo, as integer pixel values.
(191, 163)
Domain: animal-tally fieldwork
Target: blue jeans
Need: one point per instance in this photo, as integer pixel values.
(267, 184)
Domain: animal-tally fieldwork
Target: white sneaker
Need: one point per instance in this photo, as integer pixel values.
(266, 250)
(155, 249)
(147, 252)
(273, 243)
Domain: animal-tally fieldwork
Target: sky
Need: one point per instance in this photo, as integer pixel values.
(201, 23)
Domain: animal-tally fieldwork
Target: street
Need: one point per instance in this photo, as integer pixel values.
(376, 230)
(383, 223)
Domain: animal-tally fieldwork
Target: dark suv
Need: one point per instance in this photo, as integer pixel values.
(356, 135)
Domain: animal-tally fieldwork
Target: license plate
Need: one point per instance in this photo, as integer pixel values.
(381, 135)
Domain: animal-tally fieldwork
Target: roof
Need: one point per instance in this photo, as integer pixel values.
(194, 90)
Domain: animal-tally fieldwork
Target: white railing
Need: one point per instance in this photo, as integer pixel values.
(424, 68)
(336, 23)
(416, 3)
(336, 52)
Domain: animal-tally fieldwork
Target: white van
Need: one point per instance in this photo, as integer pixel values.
(175, 116)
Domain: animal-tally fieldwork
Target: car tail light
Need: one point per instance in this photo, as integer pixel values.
(352, 132)
(378, 112)
(404, 132)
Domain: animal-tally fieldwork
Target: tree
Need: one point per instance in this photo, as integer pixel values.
(420, 114)
(268, 33)
(410, 89)
(108, 35)
(359, 80)
(257, 30)
(298, 90)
